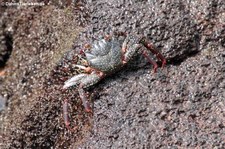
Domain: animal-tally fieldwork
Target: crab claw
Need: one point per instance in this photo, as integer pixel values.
(75, 80)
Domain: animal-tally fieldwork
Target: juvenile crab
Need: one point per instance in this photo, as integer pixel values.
(105, 57)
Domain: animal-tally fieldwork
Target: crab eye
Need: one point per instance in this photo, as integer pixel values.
(87, 46)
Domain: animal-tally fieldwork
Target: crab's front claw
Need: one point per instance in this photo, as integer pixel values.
(75, 80)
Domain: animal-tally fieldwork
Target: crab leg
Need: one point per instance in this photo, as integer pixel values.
(66, 117)
(87, 82)
(150, 61)
(87, 69)
(130, 52)
(149, 46)
(80, 66)
(84, 99)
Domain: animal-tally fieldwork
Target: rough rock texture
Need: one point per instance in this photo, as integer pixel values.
(180, 106)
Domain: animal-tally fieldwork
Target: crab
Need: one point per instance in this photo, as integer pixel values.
(105, 57)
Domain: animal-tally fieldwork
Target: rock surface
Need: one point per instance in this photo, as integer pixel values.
(180, 106)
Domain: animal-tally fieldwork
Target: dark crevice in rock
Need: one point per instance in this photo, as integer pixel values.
(6, 49)
(178, 60)
(193, 44)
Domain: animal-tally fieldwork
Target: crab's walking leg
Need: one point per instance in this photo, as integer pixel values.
(86, 69)
(130, 52)
(87, 82)
(66, 117)
(155, 66)
(137, 48)
(134, 49)
(83, 97)
(148, 45)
